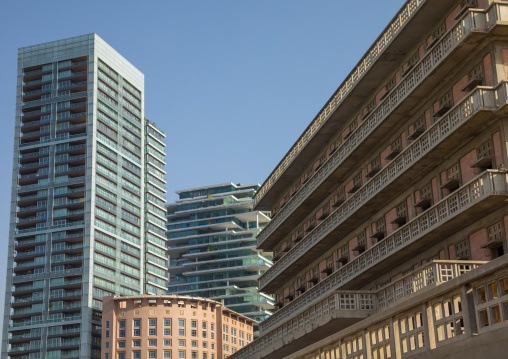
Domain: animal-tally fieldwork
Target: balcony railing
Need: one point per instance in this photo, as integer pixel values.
(480, 99)
(55, 274)
(490, 183)
(361, 304)
(468, 23)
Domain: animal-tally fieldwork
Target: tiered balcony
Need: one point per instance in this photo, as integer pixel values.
(341, 309)
(442, 58)
(469, 117)
(477, 198)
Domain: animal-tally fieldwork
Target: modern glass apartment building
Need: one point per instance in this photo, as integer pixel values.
(211, 235)
(87, 197)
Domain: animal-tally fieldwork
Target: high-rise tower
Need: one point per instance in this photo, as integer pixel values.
(82, 179)
(211, 235)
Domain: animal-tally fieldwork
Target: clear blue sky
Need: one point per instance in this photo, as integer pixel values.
(232, 83)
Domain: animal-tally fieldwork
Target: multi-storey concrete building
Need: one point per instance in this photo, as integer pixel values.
(78, 228)
(390, 213)
(171, 326)
(211, 235)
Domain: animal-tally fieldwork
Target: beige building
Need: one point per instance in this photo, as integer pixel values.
(171, 326)
(390, 212)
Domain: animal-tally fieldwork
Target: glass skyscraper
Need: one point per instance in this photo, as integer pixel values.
(212, 246)
(88, 198)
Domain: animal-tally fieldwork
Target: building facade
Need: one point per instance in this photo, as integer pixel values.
(390, 213)
(171, 326)
(78, 228)
(211, 234)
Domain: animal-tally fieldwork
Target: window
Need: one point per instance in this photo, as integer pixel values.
(181, 323)
(107, 344)
(107, 324)
(121, 344)
(194, 355)
(181, 354)
(167, 331)
(152, 322)
(152, 343)
(167, 353)
(167, 322)
(107, 333)
(211, 326)
(167, 342)
(136, 333)
(204, 345)
(137, 323)
(121, 333)
(121, 355)
(194, 344)
(152, 353)
(204, 333)
(181, 331)
(136, 343)
(121, 324)
(152, 331)
(194, 324)
(194, 333)
(136, 354)
(205, 356)
(181, 343)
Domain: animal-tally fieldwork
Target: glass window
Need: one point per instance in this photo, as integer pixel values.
(181, 354)
(167, 331)
(194, 355)
(137, 332)
(107, 344)
(152, 343)
(152, 322)
(194, 344)
(167, 342)
(194, 332)
(181, 331)
(136, 354)
(121, 324)
(152, 353)
(167, 322)
(181, 343)
(121, 355)
(107, 333)
(152, 331)
(167, 353)
(137, 323)
(181, 322)
(107, 324)
(121, 333)
(121, 344)
(136, 343)
(194, 324)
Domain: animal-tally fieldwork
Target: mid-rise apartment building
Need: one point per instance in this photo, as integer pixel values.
(171, 326)
(390, 213)
(211, 233)
(87, 206)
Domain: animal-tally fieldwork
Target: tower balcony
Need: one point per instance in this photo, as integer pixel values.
(462, 122)
(476, 199)
(442, 58)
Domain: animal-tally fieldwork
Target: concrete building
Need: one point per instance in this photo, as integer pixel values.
(171, 326)
(87, 206)
(390, 213)
(212, 246)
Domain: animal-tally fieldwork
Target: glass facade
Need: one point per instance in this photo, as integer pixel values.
(84, 217)
(211, 233)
